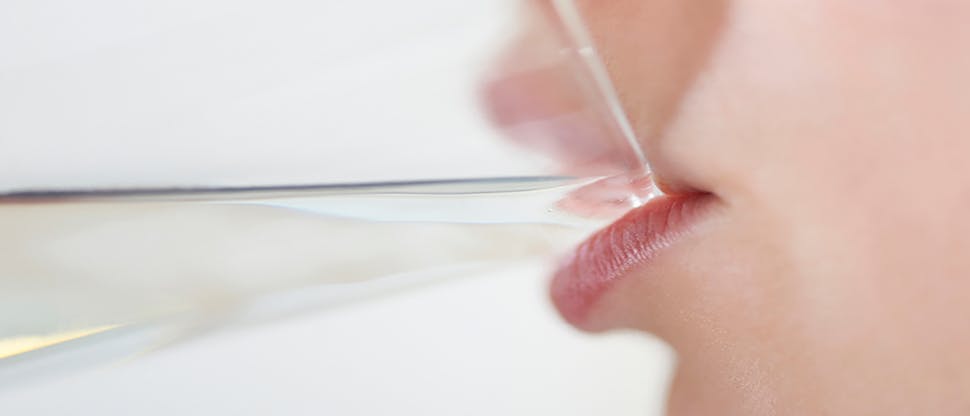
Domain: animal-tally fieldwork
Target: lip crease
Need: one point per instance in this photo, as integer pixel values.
(609, 254)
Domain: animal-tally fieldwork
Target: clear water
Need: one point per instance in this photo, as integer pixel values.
(79, 268)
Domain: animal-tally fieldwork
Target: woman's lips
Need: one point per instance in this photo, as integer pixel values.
(540, 100)
(610, 254)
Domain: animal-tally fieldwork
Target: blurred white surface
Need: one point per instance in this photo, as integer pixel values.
(116, 93)
(482, 345)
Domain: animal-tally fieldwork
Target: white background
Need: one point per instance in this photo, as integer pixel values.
(109, 93)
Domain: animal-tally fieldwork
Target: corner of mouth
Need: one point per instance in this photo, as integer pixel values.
(611, 253)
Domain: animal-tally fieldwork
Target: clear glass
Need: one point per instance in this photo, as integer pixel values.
(162, 171)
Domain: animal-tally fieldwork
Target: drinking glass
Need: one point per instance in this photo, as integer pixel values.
(170, 166)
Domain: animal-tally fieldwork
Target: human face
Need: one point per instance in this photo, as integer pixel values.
(817, 153)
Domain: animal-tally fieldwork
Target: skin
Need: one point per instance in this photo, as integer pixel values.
(833, 276)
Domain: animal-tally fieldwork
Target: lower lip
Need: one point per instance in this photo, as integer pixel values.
(632, 241)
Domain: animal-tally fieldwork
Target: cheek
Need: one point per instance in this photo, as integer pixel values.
(838, 143)
(829, 98)
(836, 133)
(836, 140)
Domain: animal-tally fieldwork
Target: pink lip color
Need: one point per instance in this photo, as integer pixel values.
(608, 255)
